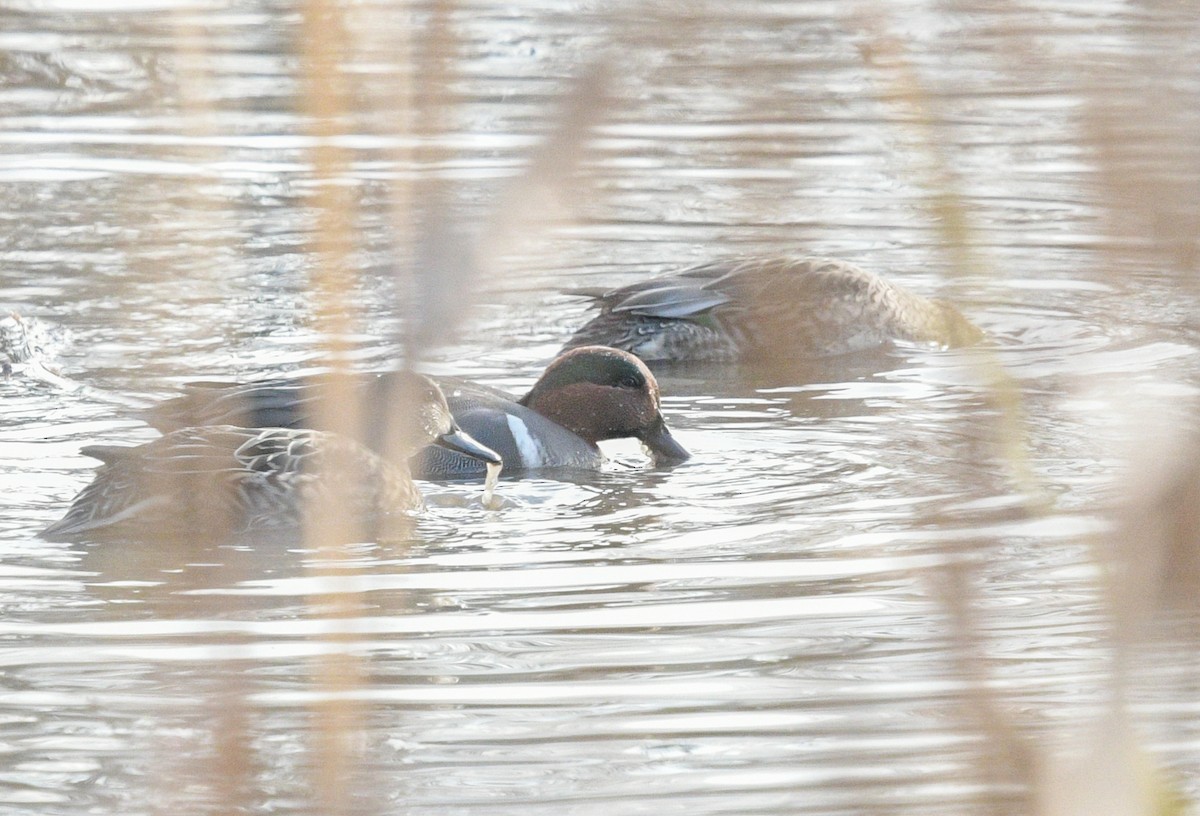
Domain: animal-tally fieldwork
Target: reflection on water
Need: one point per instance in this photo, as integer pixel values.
(776, 626)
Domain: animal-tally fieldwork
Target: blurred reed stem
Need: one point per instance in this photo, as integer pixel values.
(1113, 774)
(948, 209)
(206, 243)
(1008, 759)
(325, 45)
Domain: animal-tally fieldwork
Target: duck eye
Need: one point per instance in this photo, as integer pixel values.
(629, 381)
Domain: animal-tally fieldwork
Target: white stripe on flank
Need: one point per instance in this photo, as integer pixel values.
(531, 451)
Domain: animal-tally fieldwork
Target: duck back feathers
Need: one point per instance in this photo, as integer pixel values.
(742, 310)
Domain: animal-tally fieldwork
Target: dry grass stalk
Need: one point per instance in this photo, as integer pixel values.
(947, 206)
(1010, 759)
(328, 531)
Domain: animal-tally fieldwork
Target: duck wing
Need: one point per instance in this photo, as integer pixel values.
(276, 403)
(265, 404)
(673, 301)
(682, 295)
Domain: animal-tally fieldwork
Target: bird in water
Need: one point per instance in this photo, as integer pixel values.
(213, 482)
(587, 396)
(765, 309)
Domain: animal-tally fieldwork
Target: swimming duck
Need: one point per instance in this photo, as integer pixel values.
(756, 309)
(585, 396)
(216, 481)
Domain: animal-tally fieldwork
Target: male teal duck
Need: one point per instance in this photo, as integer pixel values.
(764, 309)
(584, 397)
(217, 481)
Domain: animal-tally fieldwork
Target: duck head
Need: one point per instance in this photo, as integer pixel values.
(426, 420)
(605, 393)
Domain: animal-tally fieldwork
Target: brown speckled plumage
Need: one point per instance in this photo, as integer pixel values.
(759, 308)
(209, 482)
(216, 481)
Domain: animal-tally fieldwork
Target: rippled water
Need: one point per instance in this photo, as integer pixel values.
(772, 627)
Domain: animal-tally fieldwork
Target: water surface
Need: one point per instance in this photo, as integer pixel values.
(772, 627)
